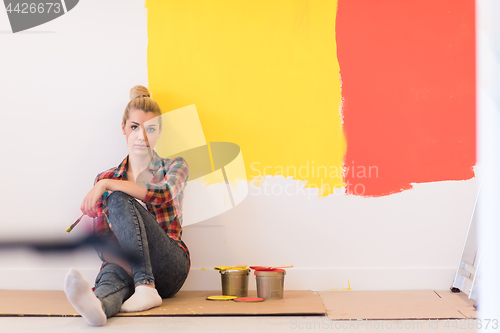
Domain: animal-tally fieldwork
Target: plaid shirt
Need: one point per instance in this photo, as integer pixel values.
(163, 199)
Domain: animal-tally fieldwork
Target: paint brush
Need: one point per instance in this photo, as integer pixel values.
(74, 224)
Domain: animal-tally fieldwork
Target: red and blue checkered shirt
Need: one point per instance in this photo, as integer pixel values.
(163, 199)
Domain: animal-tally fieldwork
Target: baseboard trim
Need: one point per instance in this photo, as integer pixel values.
(407, 278)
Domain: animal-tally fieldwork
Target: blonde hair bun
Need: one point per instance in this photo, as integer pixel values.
(139, 102)
(139, 91)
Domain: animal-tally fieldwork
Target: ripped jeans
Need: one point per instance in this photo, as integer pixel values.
(162, 261)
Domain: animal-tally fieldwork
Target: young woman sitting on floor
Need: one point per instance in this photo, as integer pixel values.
(137, 205)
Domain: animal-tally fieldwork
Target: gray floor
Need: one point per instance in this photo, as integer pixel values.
(229, 324)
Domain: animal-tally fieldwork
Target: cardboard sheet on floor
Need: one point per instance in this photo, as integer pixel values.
(396, 304)
(195, 303)
(459, 301)
(54, 303)
(35, 302)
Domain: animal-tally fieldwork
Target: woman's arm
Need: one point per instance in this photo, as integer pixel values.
(172, 184)
(131, 188)
(89, 204)
(176, 175)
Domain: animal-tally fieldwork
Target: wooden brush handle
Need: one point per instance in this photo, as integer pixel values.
(282, 266)
(74, 224)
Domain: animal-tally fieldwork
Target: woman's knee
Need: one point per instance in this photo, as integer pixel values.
(118, 198)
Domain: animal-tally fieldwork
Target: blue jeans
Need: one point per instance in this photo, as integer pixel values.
(161, 261)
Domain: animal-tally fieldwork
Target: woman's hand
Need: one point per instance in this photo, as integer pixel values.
(89, 204)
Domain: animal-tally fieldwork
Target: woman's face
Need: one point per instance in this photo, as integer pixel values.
(133, 130)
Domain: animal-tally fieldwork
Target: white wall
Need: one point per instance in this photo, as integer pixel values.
(488, 106)
(410, 240)
(64, 86)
